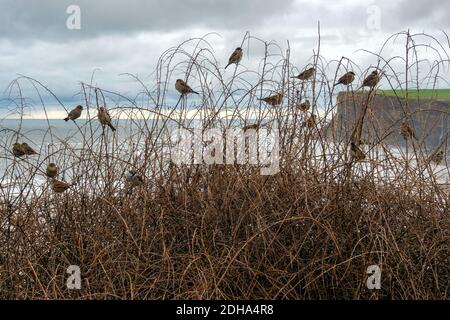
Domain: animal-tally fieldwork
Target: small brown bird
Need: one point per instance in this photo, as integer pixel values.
(304, 106)
(437, 157)
(133, 179)
(235, 57)
(17, 150)
(407, 132)
(254, 126)
(183, 88)
(371, 80)
(305, 75)
(311, 122)
(52, 170)
(274, 100)
(74, 114)
(27, 149)
(105, 118)
(346, 79)
(60, 186)
(356, 152)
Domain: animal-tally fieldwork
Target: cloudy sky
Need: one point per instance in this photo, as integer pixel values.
(117, 37)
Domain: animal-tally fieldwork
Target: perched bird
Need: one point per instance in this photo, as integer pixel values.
(274, 100)
(235, 57)
(105, 118)
(305, 75)
(356, 152)
(311, 122)
(18, 150)
(437, 157)
(52, 170)
(183, 88)
(60, 186)
(371, 80)
(27, 149)
(304, 106)
(407, 132)
(254, 126)
(74, 114)
(346, 79)
(133, 179)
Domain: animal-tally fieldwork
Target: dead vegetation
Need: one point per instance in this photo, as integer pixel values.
(224, 231)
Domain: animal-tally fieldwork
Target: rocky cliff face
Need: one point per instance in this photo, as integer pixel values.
(428, 118)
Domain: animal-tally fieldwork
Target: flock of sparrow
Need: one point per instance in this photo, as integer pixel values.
(133, 179)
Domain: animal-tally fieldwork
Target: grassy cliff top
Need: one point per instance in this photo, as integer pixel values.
(435, 94)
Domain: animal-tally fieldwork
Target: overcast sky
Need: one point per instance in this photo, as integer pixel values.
(129, 36)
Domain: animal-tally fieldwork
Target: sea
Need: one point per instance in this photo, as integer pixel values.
(66, 142)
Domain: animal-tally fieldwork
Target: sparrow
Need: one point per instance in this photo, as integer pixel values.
(407, 132)
(105, 118)
(274, 100)
(60, 186)
(235, 57)
(437, 157)
(311, 122)
(52, 170)
(183, 88)
(304, 106)
(305, 75)
(27, 149)
(74, 114)
(356, 152)
(254, 126)
(18, 150)
(133, 179)
(346, 79)
(371, 80)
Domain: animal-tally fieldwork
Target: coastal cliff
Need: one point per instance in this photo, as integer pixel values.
(385, 114)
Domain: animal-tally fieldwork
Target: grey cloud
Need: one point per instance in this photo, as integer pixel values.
(129, 36)
(417, 14)
(46, 19)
